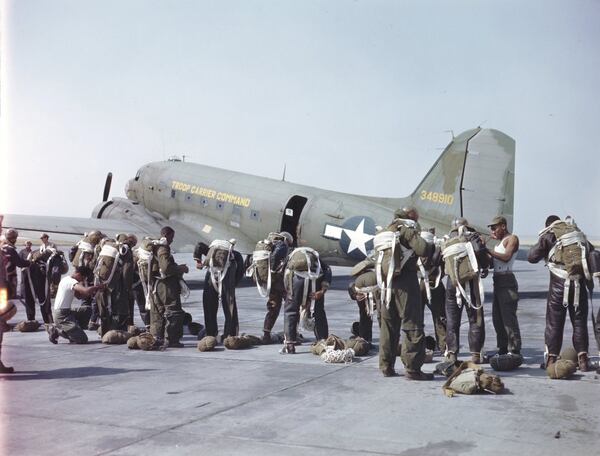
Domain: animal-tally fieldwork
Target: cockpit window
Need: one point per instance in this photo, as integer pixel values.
(139, 173)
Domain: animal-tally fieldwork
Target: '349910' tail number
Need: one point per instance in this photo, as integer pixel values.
(435, 197)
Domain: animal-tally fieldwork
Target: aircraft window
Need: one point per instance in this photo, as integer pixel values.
(138, 174)
(188, 197)
(220, 205)
(255, 215)
(204, 202)
(172, 193)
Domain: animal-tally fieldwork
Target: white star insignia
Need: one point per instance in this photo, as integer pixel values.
(358, 238)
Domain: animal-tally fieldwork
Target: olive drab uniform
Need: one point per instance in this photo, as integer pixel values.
(166, 314)
(137, 295)
(85, 253)
(472, 301)
(433, 295)
(225, 270)
(366, 293)
(277, 292)
(559, 303)
(114, 268)
(401, 307)
(12, 261)
(299, 289)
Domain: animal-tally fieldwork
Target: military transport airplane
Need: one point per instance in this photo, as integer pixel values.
(473, 177)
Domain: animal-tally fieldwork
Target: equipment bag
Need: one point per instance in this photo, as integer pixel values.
(391, 256)
(568, 257)
(462, 267)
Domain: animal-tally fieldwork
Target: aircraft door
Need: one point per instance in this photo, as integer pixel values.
(290, 220)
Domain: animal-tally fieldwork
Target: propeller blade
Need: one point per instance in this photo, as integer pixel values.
(107, 187)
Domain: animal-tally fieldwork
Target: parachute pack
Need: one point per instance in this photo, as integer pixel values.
(303, 262)
(261, 268)
(366, 284)
(391, 255)
(146, 257)
(462, 267)
(568, 258)
(108, 259)
(219, 258)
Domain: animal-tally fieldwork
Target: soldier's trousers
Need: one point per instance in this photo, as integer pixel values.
(210, 303)
(276, 298)
(556, 315)
(292, 312)
(453, 317)
(405, 313)
(504, 313)
(365, 321)
(437, 307)
(67, 324)
(166, 314)
(137, 296)
(112, 315)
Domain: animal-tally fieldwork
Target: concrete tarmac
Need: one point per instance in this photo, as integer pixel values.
(103, 399)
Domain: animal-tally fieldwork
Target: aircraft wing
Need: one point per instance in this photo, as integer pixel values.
(189, 229)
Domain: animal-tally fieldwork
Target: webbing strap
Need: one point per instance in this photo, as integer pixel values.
(425, 278)
(33, 293)
(369, 292)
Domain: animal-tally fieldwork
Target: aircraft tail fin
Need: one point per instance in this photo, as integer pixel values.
(472, 178)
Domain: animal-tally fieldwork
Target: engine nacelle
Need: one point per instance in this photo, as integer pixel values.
(124, 209)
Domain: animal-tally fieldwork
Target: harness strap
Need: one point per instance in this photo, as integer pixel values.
(261, 255)
(369, 292)
(216, 275)
(559, 271)
(425, 278)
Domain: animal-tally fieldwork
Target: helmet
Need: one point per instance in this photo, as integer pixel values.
(95, 236)
(289, 239)
(459, 221)
(132, 239)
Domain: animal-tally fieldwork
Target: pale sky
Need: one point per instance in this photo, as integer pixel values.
(354, 96)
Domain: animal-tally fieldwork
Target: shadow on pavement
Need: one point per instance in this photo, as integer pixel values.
(70, 372)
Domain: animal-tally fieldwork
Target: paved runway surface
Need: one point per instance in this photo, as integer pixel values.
(100, 399)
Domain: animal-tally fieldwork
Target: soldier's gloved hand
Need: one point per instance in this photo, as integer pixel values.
(183, 269)
(484, 273)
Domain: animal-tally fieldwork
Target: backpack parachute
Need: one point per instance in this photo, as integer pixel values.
(391, 255)
(108, 259)
(219, 259)
(568, 258)
(462, 267)
(145, 255)
(303, 262)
